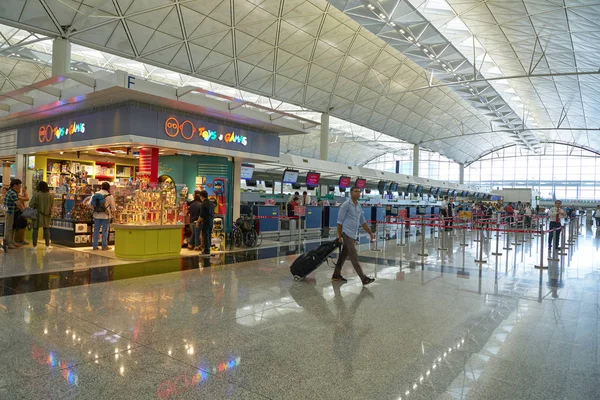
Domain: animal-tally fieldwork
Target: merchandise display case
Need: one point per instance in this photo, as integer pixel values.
(72, 223)
(149, 221)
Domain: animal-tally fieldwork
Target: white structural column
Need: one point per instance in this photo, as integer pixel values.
(20, 165)
(61, 56)
(461, 174)
(5, 174)
(416, 160)
(324, 147)
(237, 187)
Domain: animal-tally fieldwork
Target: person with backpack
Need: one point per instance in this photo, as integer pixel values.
(12, 204)
(596, 216)
(103, 205)
(207, 214)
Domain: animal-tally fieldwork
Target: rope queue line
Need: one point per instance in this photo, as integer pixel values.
(480, 223)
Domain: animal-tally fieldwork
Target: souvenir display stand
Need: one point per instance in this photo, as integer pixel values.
(148, 222)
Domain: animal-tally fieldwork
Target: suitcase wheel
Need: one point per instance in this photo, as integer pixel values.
(297, 278)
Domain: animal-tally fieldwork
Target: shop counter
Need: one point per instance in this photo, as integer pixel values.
(142, 242)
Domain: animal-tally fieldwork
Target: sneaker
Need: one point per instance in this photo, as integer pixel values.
(17, 245)
(198, 248)
(190, 247)
(24, 243)
(10, 246)
(106, 248)
(338, 278)
(205, 254)
(34, 247)
(368, 280)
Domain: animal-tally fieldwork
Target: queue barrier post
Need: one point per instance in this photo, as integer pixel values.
(507, 238)
(552, 251)
(562, 243)
(422, 253)
(541, 265)
(497, 252)
(480, 244)
(442, 235)
(465, 225)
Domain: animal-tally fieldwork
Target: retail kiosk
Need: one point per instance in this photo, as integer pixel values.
(131, 146)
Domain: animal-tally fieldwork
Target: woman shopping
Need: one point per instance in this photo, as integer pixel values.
(42, 202)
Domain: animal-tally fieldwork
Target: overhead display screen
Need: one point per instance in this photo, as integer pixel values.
(344, 182)
(247, 171)
(290, 176)
(361, 183)
(312, 179)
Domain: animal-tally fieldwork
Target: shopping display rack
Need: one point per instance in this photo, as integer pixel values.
(2, 228)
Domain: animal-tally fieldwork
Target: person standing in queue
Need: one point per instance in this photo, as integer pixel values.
(207, 214)
(350, 218)
(555, 214)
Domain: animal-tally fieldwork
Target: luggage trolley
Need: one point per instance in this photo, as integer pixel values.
(3, 228)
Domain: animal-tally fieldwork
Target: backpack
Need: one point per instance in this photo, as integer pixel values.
(99, 202)
(510, 209)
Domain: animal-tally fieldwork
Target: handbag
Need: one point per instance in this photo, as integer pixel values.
(30, 213)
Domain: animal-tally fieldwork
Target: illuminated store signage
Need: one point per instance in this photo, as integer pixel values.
(48, 133)
(188, 130)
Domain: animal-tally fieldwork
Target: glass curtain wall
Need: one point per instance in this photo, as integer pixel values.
(561, 171)
(431, 165)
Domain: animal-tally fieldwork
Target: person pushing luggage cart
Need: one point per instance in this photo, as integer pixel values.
(350, 219)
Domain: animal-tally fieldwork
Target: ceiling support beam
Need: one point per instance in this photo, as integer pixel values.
(503, 78)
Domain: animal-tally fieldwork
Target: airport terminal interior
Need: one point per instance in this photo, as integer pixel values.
(182, 181)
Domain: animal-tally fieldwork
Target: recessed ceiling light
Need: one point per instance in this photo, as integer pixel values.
(371, 6)
(402, 31)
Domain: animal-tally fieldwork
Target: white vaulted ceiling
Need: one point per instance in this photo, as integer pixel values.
(320, 56)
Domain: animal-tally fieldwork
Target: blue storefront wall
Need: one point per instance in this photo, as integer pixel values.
(84, 128)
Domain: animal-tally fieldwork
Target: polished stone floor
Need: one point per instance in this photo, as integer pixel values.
(237, 326)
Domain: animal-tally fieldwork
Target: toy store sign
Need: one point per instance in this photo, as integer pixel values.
(188, 131)
(49, 133)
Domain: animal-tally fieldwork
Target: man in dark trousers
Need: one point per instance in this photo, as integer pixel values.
(206, 219)
(555, 214)
(350, 218)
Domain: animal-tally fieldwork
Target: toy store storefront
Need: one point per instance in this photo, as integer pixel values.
(153, 159)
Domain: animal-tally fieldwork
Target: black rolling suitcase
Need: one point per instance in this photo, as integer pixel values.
(308, 262)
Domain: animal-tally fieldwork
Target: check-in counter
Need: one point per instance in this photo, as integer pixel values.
(314, 217)
(270, 224)
(330, 215)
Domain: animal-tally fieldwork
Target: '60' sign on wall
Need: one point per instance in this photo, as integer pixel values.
(188, 130)
(48, 133)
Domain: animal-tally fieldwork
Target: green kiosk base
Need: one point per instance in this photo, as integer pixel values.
(144, 242)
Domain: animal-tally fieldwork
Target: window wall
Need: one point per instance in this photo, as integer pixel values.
(431, 165)
(561, 171)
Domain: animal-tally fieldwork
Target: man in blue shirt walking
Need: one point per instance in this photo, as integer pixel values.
(350, 219)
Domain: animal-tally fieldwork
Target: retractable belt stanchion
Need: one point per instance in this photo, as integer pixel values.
(480, 244)
(377, 236)
(516, 225)
(422, 253)
(442, 235)
(552, 251)
(541, 266)
(523, 240)
(473, 227)
(562, 243)
(464, 225)
(497, 252)
(401, 223)
(507, 237)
